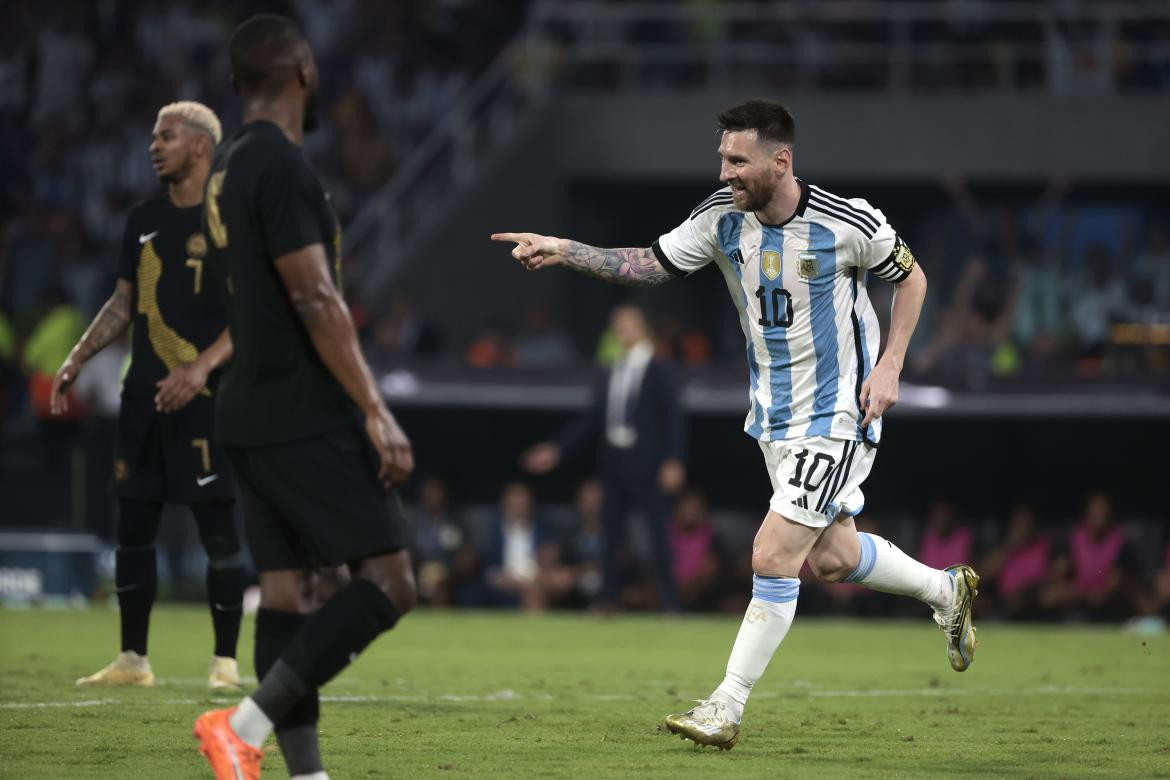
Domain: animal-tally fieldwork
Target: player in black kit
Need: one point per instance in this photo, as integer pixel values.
(315, 448)
(165, 449)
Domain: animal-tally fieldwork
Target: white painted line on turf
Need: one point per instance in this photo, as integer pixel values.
(32, 705)
(510, 695)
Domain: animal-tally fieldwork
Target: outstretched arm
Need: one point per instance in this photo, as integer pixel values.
(629, 265)
(110, 323)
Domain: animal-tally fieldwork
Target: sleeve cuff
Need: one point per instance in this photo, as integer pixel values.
(664, 261)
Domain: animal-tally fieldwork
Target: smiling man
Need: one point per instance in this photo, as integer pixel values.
(165, 451)
(795, 259)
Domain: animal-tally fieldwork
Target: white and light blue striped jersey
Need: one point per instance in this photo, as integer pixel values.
(812, 335)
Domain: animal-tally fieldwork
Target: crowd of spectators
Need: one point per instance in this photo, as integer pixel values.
(527, 555)
(81, 83)
(1064, 48)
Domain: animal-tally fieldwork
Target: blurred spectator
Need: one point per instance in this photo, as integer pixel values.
(47, 347)
(676, 341)
(491, 350)
(522, 560)
(1096, 576)
(100, 387)
(541, 344)
(977, 323)
(7, 362)
(585, 542)
(1162, 586)
(1096, 300)
(402, 332)
(1039, 312)
(436, 538)
(945, 541)
(698, 566)
(635, 420)
(1016, 569)
(1152, 266)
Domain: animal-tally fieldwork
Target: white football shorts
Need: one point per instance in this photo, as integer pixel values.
(816, 479)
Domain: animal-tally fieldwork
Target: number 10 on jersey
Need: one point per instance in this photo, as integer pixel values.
(781, 310)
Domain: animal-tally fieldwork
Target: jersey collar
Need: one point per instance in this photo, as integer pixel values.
(800, 204)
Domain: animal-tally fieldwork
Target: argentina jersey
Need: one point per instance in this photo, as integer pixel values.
(812, 334)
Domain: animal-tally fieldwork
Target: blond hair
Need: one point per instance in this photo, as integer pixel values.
(195, 114)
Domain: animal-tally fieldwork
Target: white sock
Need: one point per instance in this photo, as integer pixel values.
(766, 623)
(315, 776)
(250, 723)
(886, 568)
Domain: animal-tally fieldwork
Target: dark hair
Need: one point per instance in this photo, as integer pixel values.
(771, 120)
(259, 48)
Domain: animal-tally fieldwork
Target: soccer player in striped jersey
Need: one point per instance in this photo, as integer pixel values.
(796, 260)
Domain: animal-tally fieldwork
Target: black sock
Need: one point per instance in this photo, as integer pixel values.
(301, 750)
(225, 599)
(329, 640)
(274, 631)
(136, 569)
(136, 579)
(225, 573)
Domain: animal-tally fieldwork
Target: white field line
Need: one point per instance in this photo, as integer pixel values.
(510, 695)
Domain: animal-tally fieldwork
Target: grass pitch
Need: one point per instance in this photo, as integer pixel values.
(502, 695)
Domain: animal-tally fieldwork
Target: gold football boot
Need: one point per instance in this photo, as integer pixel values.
(129, 668)
(223, 674)
(707, 723)
(956, 621)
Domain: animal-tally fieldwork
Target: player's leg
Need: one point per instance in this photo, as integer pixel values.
(328, 507)
(139, 483)
(805, 475)
(281, 616)
(328, 640)
(843, 554)
(136, 582)
(779, 550)
(225, 588)
(199, 474)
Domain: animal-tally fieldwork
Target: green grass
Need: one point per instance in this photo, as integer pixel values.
(478, 695)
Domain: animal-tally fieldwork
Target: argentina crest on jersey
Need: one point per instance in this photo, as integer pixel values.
(807, 267)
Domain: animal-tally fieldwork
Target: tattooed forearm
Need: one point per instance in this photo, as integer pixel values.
(109, 324)
(624, 266)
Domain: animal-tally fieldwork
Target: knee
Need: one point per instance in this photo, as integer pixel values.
(829, 567)
(223, 550)
(394, 577)
(137, 523)
(771, 563)
(283, 592)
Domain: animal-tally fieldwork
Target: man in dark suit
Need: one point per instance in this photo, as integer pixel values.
(635, 417)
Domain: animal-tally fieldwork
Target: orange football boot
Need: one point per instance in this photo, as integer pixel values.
(231, 758)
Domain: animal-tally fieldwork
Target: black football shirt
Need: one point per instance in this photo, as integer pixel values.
(175, 312)
(264, 201)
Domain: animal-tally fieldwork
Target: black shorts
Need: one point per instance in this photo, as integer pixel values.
(317, 502)
(170, 457)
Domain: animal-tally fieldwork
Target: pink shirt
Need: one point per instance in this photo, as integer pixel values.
(690, 550)
(1025, 567)
(939, 552)
(1094, 559)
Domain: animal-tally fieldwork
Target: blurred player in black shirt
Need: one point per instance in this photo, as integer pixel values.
(165, 450)
(315, 447)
